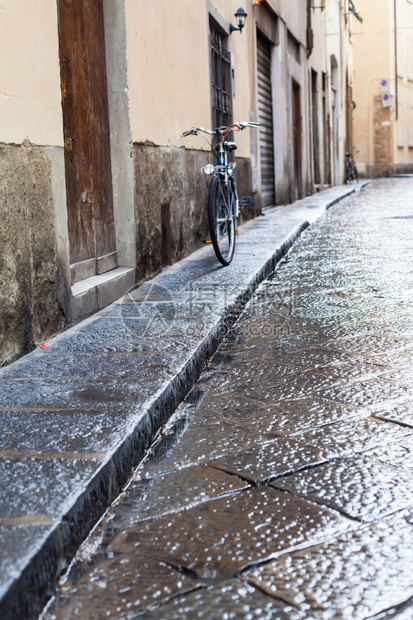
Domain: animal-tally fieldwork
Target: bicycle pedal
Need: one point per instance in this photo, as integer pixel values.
(207, 241)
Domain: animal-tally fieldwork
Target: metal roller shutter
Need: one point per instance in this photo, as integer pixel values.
(265, 118)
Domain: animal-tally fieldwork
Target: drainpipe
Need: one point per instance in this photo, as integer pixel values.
(395, 59)
(310, 38)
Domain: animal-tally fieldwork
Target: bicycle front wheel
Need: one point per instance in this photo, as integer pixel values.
(221, 220)
(349, 176)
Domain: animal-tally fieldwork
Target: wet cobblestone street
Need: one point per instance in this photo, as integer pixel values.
(282, 487)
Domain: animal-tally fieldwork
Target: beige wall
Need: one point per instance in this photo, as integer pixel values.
(374, 54)
(168, 72)
(403, 142)
(294, 14)
(30, 103)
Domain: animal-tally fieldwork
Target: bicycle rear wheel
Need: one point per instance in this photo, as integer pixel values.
(221, 221)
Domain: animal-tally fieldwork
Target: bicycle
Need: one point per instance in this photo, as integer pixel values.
(223, 201)
(351, 169)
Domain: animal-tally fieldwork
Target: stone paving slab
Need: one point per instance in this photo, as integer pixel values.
(234, 599)
(237, 531)
(360, 488)
(276, 458)
(318, 578)
(79, 415)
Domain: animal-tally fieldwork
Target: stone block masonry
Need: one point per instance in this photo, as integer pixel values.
(383, 140)
(29, 308)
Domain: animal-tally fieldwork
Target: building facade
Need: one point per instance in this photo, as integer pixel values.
(98, 192)
(383, 88)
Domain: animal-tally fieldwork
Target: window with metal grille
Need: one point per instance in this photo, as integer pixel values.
(220, 77)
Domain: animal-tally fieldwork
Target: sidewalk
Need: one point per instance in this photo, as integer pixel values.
(78, 416)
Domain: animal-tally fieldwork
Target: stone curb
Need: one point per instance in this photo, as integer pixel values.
(31, 580)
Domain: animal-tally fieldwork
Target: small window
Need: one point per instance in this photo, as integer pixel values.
(294, 47)
(221, 96)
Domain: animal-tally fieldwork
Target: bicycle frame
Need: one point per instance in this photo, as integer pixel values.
(223, 207)
(351, 173)
(226, 171)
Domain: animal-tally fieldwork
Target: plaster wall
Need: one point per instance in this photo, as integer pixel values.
(336, 95)
(32, 190)
(169, 85)
(317, 62)
(375, 60)
(403, 131)
(169, 91)
(294, 16)
(30, 102)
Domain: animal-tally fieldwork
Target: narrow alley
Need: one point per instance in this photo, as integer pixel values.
(282, 487)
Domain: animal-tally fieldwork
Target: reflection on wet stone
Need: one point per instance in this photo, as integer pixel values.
(233, 599)
(202, 545)
(363, 489)
(76, 394)
(297, 415)
(367, 393)
(354, 435)
(397, 454)
(215, 540)
(122, 583)
(400, 414)
(282, 488)
(274, 459)
(154, 497)
(354, 576)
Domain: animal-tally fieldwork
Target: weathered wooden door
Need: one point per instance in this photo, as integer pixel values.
(86, 133)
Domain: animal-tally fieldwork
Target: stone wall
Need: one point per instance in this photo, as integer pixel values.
(403, 169)
(29, 311)
(383, 139)
(171, 197)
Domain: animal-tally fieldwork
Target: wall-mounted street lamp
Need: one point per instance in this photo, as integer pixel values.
(240, 16)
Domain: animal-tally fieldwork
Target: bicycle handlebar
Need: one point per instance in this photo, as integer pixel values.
(194, 131)
(221, 131)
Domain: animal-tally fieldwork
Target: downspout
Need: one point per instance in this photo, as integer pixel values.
(310, 38)
(395, 59)
(310, 147)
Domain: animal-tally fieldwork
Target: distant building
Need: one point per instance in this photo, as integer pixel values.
(97, 191)
(383, 87)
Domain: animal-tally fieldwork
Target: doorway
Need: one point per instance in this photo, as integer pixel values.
(266, 133)
(91, 230)
(297, 140)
